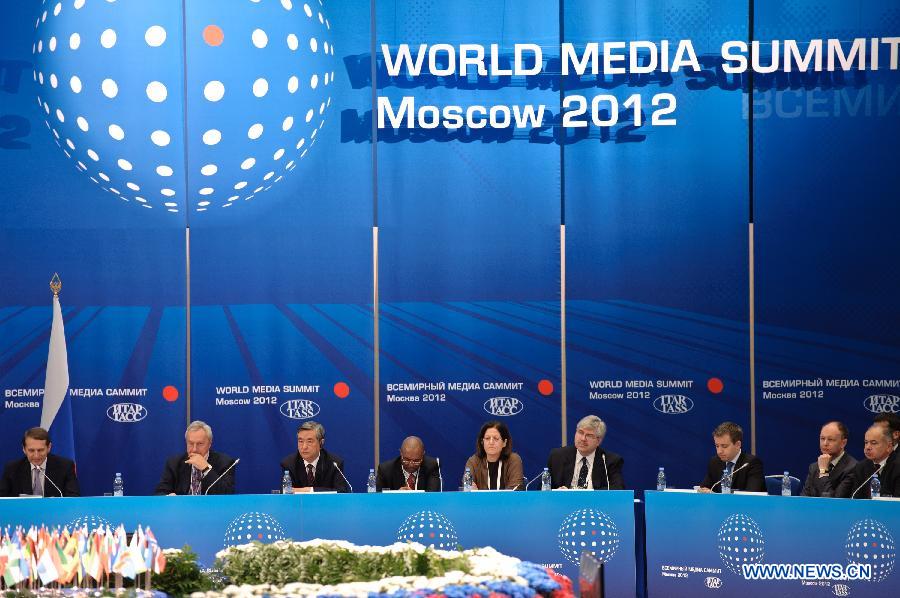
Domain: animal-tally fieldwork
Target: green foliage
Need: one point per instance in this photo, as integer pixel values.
(284, 563)
(182, 575)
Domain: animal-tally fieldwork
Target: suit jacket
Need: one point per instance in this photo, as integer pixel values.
(61, 471)
(176, 476)
(510, 474)
(837, 484)
(328, 478)
(889, 476)
(749, 479)
(391, 476)
(562, 467)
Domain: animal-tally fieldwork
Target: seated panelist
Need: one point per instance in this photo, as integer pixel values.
(494, 465)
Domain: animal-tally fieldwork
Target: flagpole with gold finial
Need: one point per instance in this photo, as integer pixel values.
(55, 284)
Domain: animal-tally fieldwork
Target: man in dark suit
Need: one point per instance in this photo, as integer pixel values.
(39, 472)
(747, 469)
(312, 468)
(412, 470)
(880, 453)
(199, 470)
(892, 422)
(831, 474)
(585, 464)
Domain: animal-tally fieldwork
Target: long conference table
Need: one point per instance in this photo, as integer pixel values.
(693, 544)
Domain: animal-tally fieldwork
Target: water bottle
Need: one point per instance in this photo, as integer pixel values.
(545, 479)
(118, 485)
(467, 480)
(371, 483)
(726, 482)
(875, 486)
(661, 480)
(287, 487)
(786, 484)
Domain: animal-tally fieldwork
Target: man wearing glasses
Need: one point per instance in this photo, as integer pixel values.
(584, 465)
(412, 470)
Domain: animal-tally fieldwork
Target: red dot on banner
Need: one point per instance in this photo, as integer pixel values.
(745, 538)
(259, 536)
(874, 544)
(170, 393)
(715, 385)
(593, 532)
(545, 387)
(213, 35)
(341, 390)
(431, 535)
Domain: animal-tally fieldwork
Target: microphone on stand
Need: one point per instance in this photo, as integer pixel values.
(533, 479)
(732, 474)
(227, 469)
(440, 477)
(342, 475)
(880, 467)
(46, 477)
(605, 470)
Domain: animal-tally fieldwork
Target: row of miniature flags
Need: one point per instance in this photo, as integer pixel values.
(69, 558)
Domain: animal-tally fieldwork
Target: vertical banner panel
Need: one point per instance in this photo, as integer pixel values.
(281, 232)
(828, 346)
(469, 238)
(656, 229)
(81, 198)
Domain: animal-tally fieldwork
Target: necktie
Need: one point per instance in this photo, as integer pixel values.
(728, 467)
(830, 467)
(582, 475)
(310, 475)
(411, 482)
(37, 483)
(195, 481)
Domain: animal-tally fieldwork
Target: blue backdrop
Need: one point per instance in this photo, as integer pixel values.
(237, 243)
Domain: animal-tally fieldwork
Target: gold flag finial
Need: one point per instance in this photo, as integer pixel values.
(55, 284)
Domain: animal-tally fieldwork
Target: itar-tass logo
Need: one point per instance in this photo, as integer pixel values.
(840, 589)
(503, 406)
(299, 409)
(883, 403)
(713, 583)
(126, 412)
(673, 404)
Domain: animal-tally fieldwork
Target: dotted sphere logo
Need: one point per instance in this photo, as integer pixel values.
(591, 530)
(253, 527)
(429, 529)
(240, 101)
(869, 542)
(740, 541)
(91, 521)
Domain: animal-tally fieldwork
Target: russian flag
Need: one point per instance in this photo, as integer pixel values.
(56, 414)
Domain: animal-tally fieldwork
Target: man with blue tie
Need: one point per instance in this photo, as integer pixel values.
(39, 473)
(746, 470)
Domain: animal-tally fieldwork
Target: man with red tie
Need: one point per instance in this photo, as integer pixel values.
(412, 470)
(312, 468)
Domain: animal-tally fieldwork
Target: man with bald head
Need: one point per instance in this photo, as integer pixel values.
(831, 475)
(412, 470)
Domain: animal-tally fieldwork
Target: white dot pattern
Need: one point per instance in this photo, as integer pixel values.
(253, 526)
(124, 126)
(429, 528)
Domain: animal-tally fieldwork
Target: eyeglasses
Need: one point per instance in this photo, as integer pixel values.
(411, 461)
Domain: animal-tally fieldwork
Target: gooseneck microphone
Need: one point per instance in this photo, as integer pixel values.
(227, 469)
(605, 470)
(732, 474)
(440, 477)
(342, 475)
(533, 479)
(46, 477)
(874, 473)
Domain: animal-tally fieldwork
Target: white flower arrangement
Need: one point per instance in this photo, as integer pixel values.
(486, 568)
